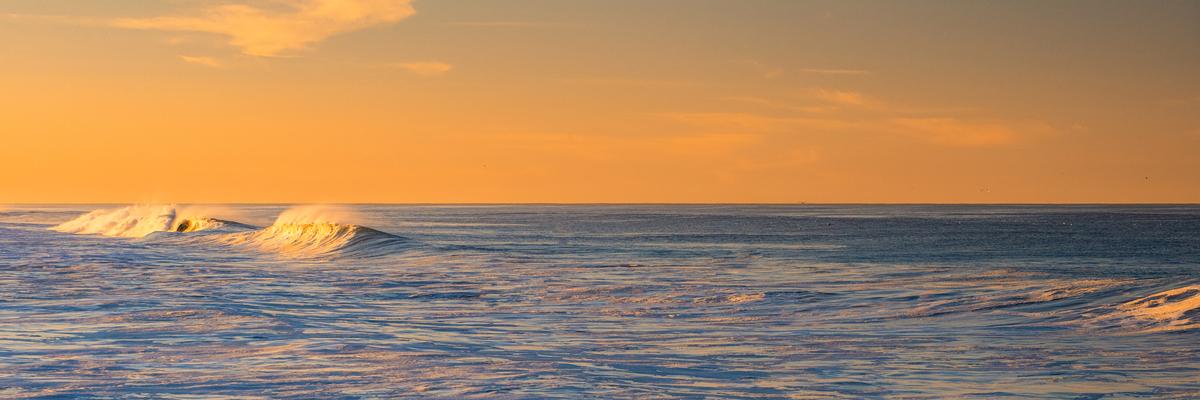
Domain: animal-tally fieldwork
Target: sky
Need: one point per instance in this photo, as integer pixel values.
(676, 101)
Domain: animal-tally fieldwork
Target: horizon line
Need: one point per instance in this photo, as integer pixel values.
(634, 203)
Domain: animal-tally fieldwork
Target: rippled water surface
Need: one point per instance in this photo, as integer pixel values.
(603, 302)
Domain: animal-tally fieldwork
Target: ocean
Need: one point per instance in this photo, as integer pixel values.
(600, 301)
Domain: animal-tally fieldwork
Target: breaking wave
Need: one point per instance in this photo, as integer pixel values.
(298, 232)
(319, 239)
(1167, 311)
(143, 220)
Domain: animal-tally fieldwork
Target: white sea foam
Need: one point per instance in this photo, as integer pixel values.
(1171, 310)
(140, 220)
(300, 231)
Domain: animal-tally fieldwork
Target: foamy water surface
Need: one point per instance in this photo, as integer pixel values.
(600, 302)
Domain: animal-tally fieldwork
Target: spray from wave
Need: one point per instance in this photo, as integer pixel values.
(143, 220)
(300, 232)
(316, 231)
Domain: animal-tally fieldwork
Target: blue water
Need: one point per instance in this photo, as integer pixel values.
(788, 302)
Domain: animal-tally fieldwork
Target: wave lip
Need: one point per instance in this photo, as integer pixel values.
(140, 221)
(319, 239)
(1171, 310)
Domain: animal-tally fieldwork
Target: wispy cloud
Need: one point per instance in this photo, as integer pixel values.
(702, 146)
(823, 71)
(1182, 101)
(509, 24)
(203, 61)
(55, 19)
(840, 97)
(816, 101)
(770, 71)
(956, 132)
(426, 68)
(767, 71)
(750, 122)
(274, 27)
(781, 105)
(666, 83)
(853, 113)
(727, 120)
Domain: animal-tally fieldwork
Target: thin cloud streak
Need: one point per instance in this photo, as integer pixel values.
(954, 132)
(845, 114)
(203, 61)
(426, 68)
(510, 24)
(272, 31)
(56, 19)
(822, 71)
(841, 97)
(634, 82)
(767, 71)
(759, 101)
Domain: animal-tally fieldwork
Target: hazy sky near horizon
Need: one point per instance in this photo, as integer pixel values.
(599, 101)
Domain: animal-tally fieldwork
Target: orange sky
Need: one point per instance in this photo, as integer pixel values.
(599, 101)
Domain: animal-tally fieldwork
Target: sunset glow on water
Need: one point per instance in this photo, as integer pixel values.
(605, 301)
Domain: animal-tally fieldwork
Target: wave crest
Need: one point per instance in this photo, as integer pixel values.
(140, 221)
(1171, 310)
(319, 239)
(308, 231)
(1166, 311)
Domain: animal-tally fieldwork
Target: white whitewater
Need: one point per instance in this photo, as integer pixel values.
(317, 239)
(140, 221)
(314, 231)
(1171, 310)
(305, 231)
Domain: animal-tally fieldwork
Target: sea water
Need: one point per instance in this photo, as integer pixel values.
(604, 301)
